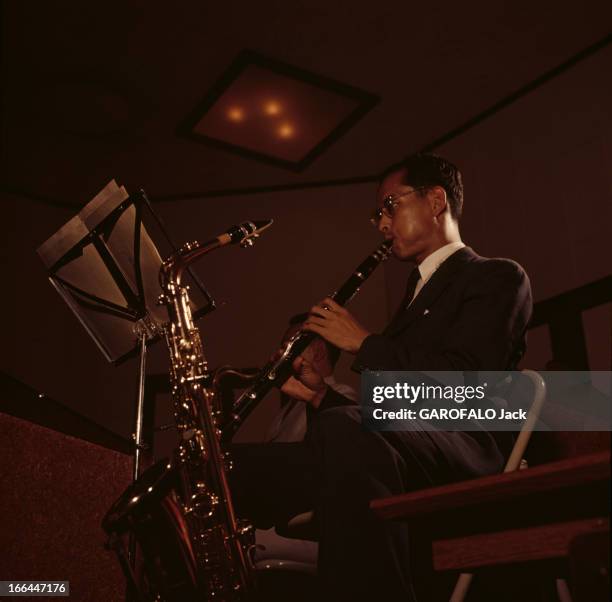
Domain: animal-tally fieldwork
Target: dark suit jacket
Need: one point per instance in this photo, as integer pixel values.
(471, 315)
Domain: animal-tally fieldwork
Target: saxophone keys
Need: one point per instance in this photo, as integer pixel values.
(201, 504)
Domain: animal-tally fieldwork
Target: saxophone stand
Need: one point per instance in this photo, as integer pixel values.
(105, 266)
(141, 447)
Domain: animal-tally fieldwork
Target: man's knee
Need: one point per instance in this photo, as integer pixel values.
(352, 457)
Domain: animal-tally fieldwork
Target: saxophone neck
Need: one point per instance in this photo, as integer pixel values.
(244, 234)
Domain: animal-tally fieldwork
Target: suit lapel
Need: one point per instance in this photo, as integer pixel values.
(432, 289)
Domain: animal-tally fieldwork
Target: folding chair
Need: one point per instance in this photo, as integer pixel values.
(515, 462)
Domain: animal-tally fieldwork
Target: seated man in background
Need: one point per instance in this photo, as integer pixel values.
(291, 422)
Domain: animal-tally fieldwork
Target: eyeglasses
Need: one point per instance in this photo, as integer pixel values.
(388, 206)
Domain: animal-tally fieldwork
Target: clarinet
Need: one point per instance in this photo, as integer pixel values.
(277, 371)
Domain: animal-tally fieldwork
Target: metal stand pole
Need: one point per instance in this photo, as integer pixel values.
(139, 447)
(139, 444)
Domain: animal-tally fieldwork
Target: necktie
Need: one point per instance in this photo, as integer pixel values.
(411, 285)
(413, 280)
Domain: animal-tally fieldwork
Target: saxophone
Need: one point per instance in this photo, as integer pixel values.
(277, 371)
(181, 513)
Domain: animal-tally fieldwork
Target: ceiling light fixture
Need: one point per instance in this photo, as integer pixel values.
(272, 108)
(235, 114)
(286, 130)
(287, 116)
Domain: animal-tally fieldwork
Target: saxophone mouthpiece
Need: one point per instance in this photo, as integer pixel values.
(247, 232)
(263, 224)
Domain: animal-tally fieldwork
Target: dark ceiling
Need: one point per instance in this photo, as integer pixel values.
(88, 94)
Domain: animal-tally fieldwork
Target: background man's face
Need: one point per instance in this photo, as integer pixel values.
(316, 353)
(412, 224)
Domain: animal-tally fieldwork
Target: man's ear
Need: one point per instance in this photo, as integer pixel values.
(437, 200)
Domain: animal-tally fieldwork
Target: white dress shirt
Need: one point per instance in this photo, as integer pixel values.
(432, 262)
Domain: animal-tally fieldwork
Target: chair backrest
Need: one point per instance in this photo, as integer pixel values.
(525, 434)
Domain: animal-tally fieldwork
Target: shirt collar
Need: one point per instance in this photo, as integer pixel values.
(432, 262)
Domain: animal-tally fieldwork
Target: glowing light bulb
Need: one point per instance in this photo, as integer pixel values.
(272, 108)
(235, 114)
(286, 130)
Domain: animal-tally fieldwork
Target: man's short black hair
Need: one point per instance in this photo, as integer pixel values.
(425, 169)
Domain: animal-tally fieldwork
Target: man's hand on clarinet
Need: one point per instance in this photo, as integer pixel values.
(336, 325)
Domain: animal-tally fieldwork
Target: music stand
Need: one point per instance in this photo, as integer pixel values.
(105, 266)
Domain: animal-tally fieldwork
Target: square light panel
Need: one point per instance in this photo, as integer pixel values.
(274, 112)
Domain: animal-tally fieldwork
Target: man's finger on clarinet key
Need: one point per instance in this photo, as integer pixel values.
(318, 311)
(322, 306)
(331, 305)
